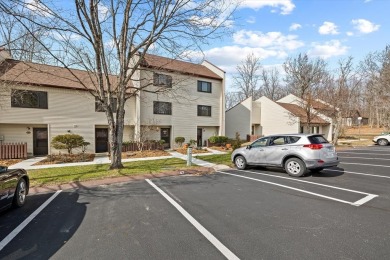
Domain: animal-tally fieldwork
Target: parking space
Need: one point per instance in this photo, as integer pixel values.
(258, 213)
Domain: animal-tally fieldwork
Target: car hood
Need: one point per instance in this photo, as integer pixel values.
(239, 150)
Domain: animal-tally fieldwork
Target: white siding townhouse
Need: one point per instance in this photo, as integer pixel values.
(41, 101)
(266, 117)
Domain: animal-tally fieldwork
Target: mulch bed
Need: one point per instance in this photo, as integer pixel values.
(9, 162)
(221, 148)
(146, 153)
(66, 158)
(194, 151)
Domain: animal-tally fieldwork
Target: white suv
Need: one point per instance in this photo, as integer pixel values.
(383, 139)
(296, 153)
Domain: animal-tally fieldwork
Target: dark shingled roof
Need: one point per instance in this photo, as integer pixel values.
(162, 63)
(301, 113)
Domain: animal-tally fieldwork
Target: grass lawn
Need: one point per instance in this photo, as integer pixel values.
(100, 171)
(218, 159)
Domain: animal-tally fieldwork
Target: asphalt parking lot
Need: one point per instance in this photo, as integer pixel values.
(342, 213)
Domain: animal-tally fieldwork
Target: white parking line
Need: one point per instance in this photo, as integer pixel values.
(375, 150)
(365, 158)
(19, 228)
(357, 203)
(223, 249)
(386, 154)
(376, 165)
(359, 173)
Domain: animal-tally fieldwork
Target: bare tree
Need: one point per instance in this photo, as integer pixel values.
(248, 75)
(339, 92)
(232, 99)
(112, 37)
(304, 77)
(21, 41)
(272, 87)
(376, 70)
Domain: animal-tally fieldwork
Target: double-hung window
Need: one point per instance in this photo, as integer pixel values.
(162, 80)
(204, 110)
(162, 108)
(99, 107)
(204, 86)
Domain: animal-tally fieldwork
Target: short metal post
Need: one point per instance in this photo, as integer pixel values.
(189, 156)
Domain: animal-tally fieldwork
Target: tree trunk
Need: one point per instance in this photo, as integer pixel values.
(115, 131)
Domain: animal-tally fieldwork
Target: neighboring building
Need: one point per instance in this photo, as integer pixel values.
(266, 117)
(39, 102)
(352, 118)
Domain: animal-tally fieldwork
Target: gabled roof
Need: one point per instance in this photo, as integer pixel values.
(163, 63)
(46, 75)
(301, 113)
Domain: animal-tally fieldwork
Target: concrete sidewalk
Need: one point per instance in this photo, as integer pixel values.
(28, 164)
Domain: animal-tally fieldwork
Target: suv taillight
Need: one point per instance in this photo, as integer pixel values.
(314, 146)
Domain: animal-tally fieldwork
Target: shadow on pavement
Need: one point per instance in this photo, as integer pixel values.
(49, 230)
(324, 173)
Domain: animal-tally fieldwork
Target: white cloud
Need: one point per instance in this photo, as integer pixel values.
(295, 26)
(350, 33)
(328, 49)
(328, 28)
(209, 22)
(285, 6)
(38, 8)
(365, 26)
(251, 19)
(367, 1)
(103, 11)
(65, 36)
(272, 40)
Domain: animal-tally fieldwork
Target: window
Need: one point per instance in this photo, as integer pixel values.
(99, 106)
(260, 142)
(315, 129)
(162, 80)
(278, 140)
(204, 110)
(162, 108)
(292, 139)
(204, 86)
(28, 99)
(317, 139)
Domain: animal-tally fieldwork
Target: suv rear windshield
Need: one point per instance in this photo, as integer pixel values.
(317, 139)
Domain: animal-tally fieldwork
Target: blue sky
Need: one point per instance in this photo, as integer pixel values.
(276, 29)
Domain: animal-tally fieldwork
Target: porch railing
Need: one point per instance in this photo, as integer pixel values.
(13, 151)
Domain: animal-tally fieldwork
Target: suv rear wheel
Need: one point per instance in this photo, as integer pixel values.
(295, 167)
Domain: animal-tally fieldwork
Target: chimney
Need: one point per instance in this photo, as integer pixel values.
(4, 54)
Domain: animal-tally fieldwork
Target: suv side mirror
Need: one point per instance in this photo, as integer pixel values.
(248, 147)
(3, 168)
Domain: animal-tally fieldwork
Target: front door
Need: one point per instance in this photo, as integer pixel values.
(40, 141)
(166, 136)
(101, 140)
(199, 137)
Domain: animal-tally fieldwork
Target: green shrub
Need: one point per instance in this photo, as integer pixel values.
(68, 142)
(218, 139)
(179, 140)
(237, 142)
(192, 142)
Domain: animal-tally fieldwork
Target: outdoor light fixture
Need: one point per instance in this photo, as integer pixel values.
(28, 130)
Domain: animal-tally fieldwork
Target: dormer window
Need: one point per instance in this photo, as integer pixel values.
(162, 80)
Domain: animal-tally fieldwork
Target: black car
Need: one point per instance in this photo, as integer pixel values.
(14, 186)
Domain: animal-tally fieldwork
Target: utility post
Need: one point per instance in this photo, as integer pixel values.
(189, 156)
(359, 122)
